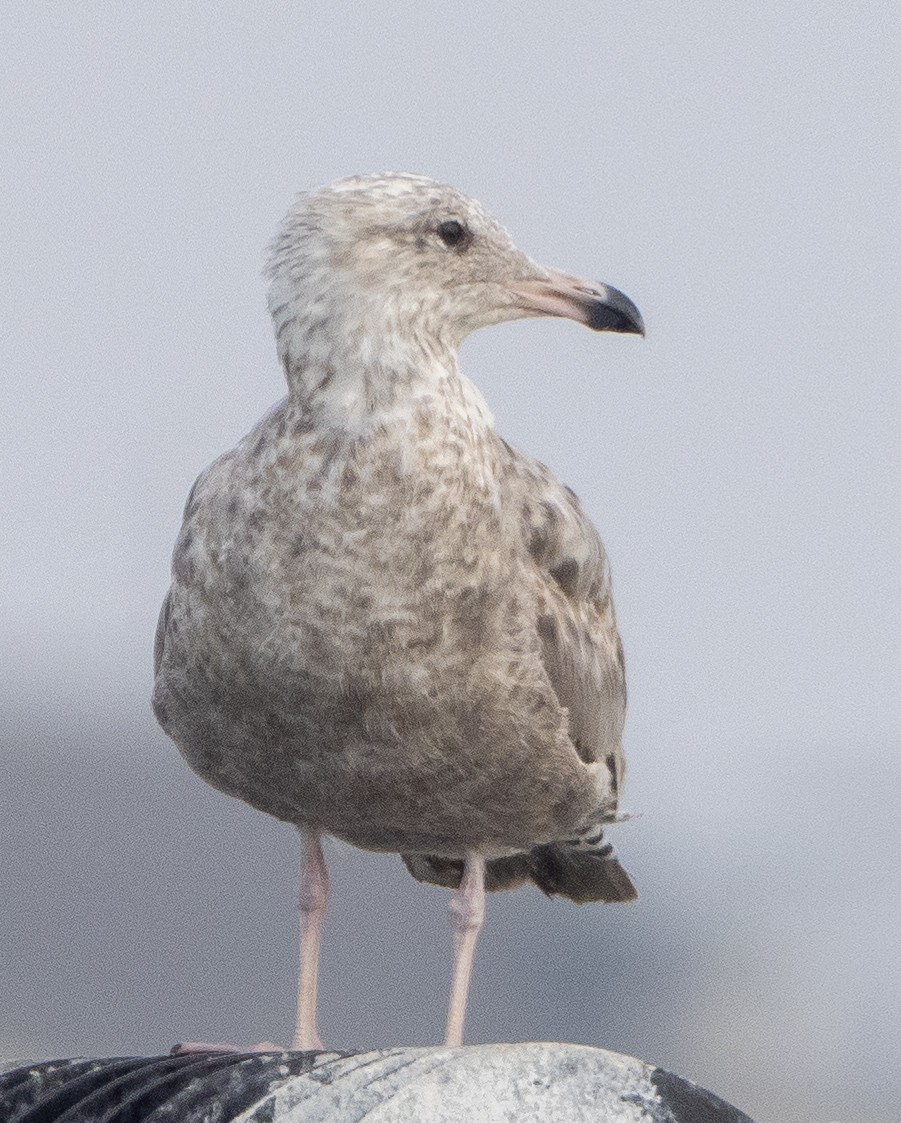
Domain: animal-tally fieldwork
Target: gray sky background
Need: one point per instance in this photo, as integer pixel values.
(735, 170)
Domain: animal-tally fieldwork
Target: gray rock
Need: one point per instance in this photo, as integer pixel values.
(479, 1084)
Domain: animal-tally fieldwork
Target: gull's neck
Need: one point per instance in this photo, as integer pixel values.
(361, 374)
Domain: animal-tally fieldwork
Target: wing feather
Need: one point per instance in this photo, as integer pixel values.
(575, 619)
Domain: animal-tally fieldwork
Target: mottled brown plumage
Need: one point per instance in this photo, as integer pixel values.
(384, 623)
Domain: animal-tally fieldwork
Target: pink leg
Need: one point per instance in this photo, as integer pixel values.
(313, 901)
(467, 911)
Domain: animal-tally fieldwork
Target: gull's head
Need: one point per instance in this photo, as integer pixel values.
(400, 257)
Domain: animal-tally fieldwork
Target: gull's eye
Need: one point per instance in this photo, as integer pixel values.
(452, 233)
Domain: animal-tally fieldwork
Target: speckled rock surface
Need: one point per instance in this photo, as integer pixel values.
(479, 1084)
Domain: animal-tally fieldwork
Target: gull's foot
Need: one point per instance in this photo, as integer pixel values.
(307, 1043)
(184, 1048)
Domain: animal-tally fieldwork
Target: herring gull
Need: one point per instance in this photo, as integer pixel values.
(385, 624)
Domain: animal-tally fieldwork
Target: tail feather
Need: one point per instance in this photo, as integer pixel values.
(580, 870)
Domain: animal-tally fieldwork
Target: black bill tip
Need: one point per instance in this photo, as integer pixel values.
(611, 310)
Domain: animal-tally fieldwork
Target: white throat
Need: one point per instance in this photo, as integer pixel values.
(357, 367)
